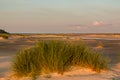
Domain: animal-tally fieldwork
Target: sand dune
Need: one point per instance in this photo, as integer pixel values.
(110, 48)
(75, 74)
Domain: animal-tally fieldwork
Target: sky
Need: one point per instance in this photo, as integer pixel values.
(60, 16)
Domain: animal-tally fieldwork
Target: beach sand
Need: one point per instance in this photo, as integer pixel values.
(110, 49)
(76, 74)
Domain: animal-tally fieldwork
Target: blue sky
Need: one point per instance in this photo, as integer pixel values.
(60, 16)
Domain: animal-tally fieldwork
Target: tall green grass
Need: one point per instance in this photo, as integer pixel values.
(56, 56)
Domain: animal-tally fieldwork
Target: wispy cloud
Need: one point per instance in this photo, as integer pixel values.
(101, 24)
(98, 23)
(77, 27)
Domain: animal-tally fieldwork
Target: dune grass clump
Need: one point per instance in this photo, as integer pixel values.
(55, 56)
(5, 36)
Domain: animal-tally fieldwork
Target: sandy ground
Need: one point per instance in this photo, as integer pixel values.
(109, 48)
(76, 74)
(5, 63)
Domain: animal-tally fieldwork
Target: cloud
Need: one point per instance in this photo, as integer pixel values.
(77, 27)
(102, 24)
(98, 23)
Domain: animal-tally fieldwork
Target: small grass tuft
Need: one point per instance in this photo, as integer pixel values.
(5, 36)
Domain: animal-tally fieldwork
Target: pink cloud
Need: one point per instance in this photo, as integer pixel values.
(97, 23)
(102, 24)
(77, 27)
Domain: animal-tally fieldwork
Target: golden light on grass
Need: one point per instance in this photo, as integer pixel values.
(56, 56)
